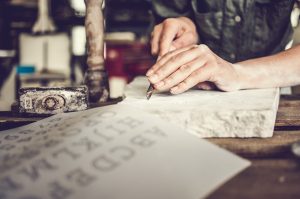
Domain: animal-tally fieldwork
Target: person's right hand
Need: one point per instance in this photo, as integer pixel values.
(172, 34)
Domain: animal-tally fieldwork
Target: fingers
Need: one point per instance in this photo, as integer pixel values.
(184, 68)
(172, 48)
(155, 39)
(174, 67)
(200, 75)
(173, 63)
(162, 60)
(162, 37)
(168, 34)
(172, 34)
(181, 74)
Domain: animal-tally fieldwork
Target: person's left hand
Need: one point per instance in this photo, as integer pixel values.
(185, 68)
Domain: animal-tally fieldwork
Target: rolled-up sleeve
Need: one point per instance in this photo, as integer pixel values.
(163, 9)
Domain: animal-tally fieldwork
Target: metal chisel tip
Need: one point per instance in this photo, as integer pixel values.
(149, 91)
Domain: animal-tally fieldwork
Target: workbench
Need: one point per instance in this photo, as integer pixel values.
(275, 171)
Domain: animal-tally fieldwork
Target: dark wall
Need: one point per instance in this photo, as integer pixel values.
(5, 36)
(128, 15)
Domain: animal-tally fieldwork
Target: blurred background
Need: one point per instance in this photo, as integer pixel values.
(26, 55)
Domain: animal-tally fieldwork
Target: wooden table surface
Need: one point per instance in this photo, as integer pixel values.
(274, 173)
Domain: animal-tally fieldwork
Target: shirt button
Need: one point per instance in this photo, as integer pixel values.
(237, 19)
(232, 56)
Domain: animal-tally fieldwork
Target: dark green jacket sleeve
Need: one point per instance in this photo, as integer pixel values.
(163, 9)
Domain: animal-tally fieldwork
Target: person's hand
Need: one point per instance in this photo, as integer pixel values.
(185, 68)
(172, 34)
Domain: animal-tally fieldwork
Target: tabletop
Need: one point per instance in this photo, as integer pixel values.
(275, 171)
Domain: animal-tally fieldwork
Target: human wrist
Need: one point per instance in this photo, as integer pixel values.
(249, 76)
(241, 78)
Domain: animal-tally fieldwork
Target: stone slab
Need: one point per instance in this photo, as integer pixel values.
(246, 113)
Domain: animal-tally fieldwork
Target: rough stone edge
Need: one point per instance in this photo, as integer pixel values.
(184, 120)
(270, 126)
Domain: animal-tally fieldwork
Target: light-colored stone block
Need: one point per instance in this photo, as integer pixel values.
(246, 113)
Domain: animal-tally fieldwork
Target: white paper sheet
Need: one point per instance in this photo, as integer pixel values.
(113, 152)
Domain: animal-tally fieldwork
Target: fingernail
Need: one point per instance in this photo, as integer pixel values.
(150, 72)
(174, 89)
(159, 84)
(153, 78)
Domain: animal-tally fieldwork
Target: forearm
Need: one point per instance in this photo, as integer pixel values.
(278, 70)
